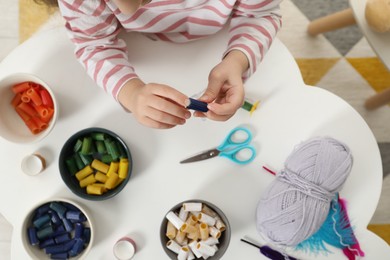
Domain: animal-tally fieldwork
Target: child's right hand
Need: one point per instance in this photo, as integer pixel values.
(154, 105)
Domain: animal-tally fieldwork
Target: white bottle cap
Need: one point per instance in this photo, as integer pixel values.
(124, 248)
(33, 164)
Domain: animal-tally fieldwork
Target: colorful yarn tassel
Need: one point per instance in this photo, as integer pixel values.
(354, 249)
(335, 231)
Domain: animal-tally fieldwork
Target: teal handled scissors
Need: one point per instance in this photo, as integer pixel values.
(235, 146)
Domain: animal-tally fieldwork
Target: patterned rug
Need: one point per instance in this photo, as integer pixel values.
(340, 61)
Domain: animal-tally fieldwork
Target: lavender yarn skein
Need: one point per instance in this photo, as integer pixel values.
(297, 202)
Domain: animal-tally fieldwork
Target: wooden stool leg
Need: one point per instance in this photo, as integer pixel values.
(331, 22)
(378, 100)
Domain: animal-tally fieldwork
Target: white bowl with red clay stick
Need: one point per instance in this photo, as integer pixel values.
(28, 108)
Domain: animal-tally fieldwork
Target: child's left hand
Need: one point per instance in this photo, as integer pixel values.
(225, 91)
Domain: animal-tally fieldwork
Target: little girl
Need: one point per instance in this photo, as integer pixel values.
(94, 25)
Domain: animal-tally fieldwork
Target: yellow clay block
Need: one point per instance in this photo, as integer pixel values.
(123, 168)
(86, 181)
(119, 181)
(101, 185)
(111, 181)
(101, 177)
(87, 170)
(114, 166)
(94, 190)
(100, 166)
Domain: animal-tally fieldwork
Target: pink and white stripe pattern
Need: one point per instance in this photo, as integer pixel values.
(94, 25)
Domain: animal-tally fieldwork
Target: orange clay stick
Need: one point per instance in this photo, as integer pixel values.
(16, 100)
(35, 97)
(46, 98)
(21, 87)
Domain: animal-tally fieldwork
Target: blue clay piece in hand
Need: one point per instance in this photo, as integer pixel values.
(197, 105)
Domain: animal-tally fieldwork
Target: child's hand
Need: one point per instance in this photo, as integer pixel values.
(225, 91)
(154, 105)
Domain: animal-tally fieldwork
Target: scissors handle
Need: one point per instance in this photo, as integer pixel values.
(236, 144)
(235, 154)
(230, 141)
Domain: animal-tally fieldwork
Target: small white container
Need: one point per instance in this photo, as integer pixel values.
(33, 164)
(124, 248)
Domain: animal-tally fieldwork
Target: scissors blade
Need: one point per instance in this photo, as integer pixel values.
(202, 156)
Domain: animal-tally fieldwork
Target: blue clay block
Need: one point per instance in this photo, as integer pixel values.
(41, 221)
(87, 234)
(55, 249)
(61, 248)
(62, 238)
(74, 215)
(42, 210)
(70, 207)
(69, 245)
(46, 243)
(197, 105)
(60, 209)
(77, 248)
(79, 230)
(83, 218)
(68, 225)
(32, 236)
(55, 219)
(60, 230)
(61, 256)
(45, 232)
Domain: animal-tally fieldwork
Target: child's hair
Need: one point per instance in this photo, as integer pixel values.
(50, 3)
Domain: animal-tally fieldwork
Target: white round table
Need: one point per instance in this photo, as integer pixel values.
(290, 112)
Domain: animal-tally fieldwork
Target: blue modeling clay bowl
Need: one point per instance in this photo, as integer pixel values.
(56, 228)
